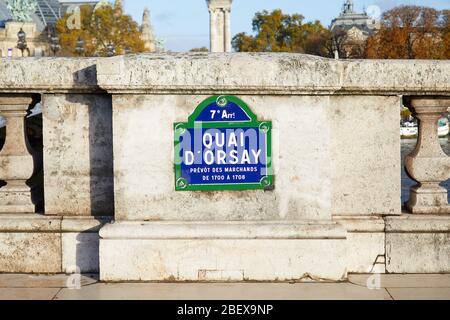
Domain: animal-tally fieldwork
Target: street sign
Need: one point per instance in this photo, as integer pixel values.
(223, 147)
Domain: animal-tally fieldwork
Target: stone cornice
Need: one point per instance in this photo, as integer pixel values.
(48, 75)
(270, 74)
(236, 73)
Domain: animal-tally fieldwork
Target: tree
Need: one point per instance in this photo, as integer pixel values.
(21, 10)
(410, 32)
(99, 28)
(278, 32)
(202, 49)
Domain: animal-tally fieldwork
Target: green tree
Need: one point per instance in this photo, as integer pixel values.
(99, 28)
(279, 32)
(202, 49)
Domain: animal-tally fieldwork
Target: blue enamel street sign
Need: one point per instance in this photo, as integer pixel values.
(223, 147)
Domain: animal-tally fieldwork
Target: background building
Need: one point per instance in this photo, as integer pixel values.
(148, 35)
(45, 17)
(48, 11)
(354, 27)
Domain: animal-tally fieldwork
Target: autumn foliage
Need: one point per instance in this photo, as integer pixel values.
(99, 28)
(411, 32)
(406, 32)
(279, 32)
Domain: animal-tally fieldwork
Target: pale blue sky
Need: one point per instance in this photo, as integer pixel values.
(184, 24)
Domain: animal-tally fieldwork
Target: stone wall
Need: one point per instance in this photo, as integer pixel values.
(108, 154)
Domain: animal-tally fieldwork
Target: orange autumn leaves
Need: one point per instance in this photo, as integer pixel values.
(406, 32)
(411, 32)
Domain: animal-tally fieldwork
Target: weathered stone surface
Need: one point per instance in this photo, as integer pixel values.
(418, 252)
(410, 223)
(78, 160)
(87, 224)
(197, 260)
(340, 176)
(365, 154)
(336, 148)
(275, 256)
(48, 75)
(80, 243)
(365, 243)
(265, 73)
(418, 244)
(240, 73)
(144, 179)
(30, 252)
(18, 223)
(32, 243)
(223, 230)
(80, 252)
(29, 243)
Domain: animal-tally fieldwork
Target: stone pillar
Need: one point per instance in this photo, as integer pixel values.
(220, 26)
(227, 39)
(212, 31)
(16, 160)
(428, 164)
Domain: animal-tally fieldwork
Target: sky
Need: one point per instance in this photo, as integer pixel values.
(184, 24)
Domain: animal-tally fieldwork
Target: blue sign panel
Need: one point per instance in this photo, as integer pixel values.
(223, 147)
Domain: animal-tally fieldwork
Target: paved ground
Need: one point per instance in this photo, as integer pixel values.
(397, 287)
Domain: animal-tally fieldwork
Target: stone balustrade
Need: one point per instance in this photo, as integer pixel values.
(16, 159)
(335, 207)
(428, 164)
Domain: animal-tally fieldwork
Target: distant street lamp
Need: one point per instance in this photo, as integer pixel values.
(22, 42)
(79, 49)
(54, 44)
(110, 49)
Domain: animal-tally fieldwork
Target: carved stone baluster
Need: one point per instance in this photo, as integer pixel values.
(16, 160)
(428, 164)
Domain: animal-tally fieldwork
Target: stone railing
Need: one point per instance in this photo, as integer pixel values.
(428, 164)
(336, 166)
(17, 165)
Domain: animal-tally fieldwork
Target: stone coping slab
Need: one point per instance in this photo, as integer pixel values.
(38, 223)
(361, 224)
(233, 73)
(50, 74)
(409, 223)
(270, 74)
(223, 230)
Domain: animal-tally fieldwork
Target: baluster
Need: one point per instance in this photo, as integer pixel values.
(16, 160)
(428, 164)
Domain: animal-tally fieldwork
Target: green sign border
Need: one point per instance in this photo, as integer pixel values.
(267, 183)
